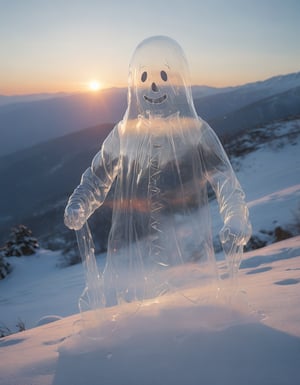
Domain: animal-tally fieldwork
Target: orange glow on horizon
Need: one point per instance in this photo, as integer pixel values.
(18, 86)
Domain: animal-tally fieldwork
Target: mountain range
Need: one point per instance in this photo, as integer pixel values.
(24, 124)
(45, 148)
(32, 119)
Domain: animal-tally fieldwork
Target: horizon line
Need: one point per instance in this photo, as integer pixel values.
(105, 88)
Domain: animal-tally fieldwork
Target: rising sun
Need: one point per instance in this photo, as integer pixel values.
(94, 85)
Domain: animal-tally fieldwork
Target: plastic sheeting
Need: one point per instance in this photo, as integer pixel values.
(161, 158)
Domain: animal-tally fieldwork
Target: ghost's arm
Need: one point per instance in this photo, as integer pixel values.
(236, 230)
(95, 183)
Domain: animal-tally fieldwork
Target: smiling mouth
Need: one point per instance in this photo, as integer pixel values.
(156, 100)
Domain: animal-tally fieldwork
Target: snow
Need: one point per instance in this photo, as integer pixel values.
(279, 186)
(175, 342)
(270, 177)
(38, 287)
(253, 339)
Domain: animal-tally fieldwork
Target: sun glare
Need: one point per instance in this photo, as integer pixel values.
(94, 85)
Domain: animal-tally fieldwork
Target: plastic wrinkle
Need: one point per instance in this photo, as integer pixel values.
(160, 159)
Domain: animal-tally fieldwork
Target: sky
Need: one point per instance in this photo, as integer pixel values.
(62, 45)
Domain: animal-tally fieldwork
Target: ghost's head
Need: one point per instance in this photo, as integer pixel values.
(159, 80)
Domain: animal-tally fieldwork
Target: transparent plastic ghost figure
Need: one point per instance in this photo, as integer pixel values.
(161, 157)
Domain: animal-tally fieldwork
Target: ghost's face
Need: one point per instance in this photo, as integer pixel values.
(158, 82)
(156, 92)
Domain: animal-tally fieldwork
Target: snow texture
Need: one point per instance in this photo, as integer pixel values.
(169, 341)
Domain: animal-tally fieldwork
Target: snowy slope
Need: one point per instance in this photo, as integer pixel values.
(174, 343)
(39, 287)
(256, 340)
(270, 178)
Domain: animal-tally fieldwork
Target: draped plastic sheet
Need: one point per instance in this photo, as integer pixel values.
(161, 158)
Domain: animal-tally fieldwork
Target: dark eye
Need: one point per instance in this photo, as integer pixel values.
(164, 75)
(144, 76)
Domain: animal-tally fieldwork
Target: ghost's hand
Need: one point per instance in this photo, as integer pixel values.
(74, 216)
(234, 235)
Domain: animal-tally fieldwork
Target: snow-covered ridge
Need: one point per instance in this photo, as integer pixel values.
(274, 135)
(277, 84)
